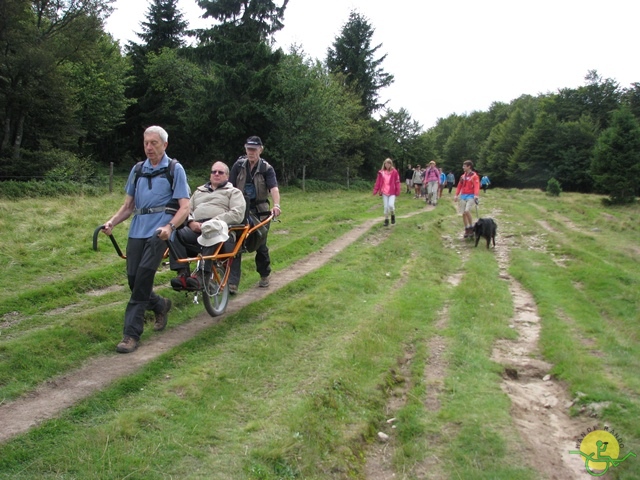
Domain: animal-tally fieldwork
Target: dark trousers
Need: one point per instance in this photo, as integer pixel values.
(263, 262)
(185, 243)
(143, 259)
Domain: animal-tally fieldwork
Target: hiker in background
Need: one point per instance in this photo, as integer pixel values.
(215, 200)
(159, 205)
(256, 179)
(388, 186)
(432, 179)
(408, 178)
(467, 191)
(484, 183)
(451, 181)
(417, 181)
(443, 181)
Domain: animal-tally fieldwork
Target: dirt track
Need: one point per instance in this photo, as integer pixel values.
(55, 395)
(539, 403)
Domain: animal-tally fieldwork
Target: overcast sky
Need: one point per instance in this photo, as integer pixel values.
(457, 56)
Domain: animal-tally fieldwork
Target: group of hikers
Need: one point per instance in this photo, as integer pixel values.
(429, 184)
(158, 197)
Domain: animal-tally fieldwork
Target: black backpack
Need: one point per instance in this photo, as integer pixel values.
(173, 204)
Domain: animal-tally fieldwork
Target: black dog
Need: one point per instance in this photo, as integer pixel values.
(487, 228)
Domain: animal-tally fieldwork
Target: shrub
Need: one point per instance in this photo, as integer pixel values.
(68, 167)
(553, 187)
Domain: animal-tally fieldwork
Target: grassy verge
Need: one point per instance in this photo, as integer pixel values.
(297, 385)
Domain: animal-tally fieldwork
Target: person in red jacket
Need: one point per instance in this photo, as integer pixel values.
(467, 195)
(388, 185)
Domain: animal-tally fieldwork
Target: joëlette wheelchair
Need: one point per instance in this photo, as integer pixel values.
(213, 287)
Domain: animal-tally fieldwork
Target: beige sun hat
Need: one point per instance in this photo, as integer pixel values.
(213, 231)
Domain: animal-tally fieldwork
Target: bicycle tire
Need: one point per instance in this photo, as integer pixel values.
(215, 298)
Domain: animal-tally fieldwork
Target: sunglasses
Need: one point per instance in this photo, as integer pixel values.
(218, 172)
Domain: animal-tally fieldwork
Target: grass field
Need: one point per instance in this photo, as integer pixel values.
(396, 334)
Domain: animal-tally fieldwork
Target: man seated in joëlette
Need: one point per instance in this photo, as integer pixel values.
(217, 200)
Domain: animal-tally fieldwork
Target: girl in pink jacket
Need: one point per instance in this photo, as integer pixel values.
(388, 185)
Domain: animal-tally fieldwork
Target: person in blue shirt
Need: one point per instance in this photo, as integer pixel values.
(443, 181)
(484, 183)
(159, 207)
(451, 181)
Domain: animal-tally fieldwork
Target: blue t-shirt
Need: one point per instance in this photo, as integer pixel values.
(160, 193)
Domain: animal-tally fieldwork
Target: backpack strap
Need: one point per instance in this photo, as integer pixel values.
(168, 172)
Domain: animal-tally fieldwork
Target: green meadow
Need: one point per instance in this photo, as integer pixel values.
(298, 385)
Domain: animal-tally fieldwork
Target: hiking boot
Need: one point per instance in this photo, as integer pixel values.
(386, 222)
(233, 289)
(193, 282)
(127, 345)
(179, 283)
(162, 317)
(264, 282)
(393, 219)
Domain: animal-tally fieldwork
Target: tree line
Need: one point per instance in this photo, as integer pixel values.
(585, 138)
(72, 100)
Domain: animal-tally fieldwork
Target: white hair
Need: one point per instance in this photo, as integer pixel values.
(162, 133)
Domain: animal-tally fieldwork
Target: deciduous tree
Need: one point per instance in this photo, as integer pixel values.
(40, 41)
(314, 117)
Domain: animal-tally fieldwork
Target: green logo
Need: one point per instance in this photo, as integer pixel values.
(600, 450)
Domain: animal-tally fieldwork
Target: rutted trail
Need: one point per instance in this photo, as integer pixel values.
(54, 395)
(540, 404)
(57, 394)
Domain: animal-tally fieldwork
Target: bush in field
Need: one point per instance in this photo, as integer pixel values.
(69, 167)
(553, 187)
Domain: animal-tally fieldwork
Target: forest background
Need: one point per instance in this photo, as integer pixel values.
(73, 101)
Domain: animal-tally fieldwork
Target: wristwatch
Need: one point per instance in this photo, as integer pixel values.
(173, 227)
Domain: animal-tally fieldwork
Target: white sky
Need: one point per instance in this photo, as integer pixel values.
(458, 56)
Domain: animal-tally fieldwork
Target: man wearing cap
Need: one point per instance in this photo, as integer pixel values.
(213, 207)
(158, 207)
(256, 179)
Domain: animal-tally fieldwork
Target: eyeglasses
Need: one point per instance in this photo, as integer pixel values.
(218, 172)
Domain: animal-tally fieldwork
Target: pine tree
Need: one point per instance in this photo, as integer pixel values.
(353, 57)
(238, 49)
(616, 160)
(165, 26)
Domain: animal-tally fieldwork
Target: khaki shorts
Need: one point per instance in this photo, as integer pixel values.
(466, 205)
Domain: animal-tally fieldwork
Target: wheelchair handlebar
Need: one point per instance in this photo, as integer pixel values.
(98, 229)
(96, 232)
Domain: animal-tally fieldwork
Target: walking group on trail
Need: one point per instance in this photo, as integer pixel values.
(158, 197)
(466, 197)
